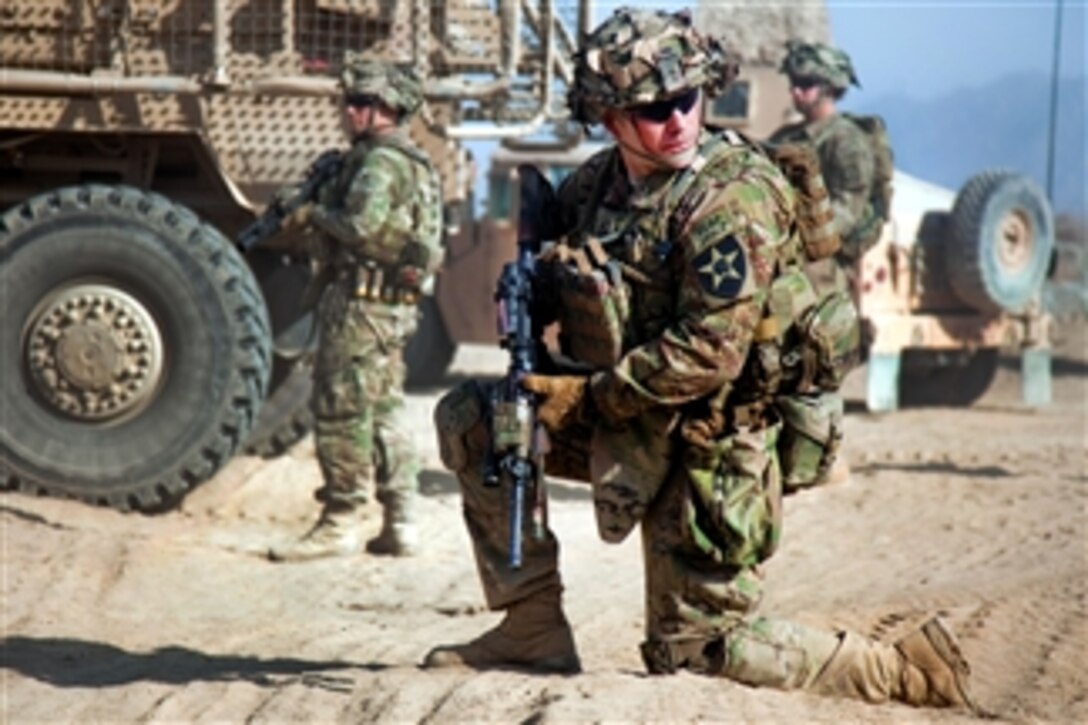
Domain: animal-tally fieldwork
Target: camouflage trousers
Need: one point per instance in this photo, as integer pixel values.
(360, 433)
(700, 611)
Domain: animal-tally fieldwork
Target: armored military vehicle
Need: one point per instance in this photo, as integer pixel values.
(139, 349)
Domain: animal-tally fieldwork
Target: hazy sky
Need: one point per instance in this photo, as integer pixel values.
(925, 49)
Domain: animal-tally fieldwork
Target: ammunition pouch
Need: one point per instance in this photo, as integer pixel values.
(829, 345)
(812, 428)
(594, 304)
(381, 283)
(735, 504)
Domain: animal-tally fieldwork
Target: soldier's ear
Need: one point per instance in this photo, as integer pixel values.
(611, 120)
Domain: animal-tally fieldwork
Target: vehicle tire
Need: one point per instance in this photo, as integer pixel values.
(939, 378)
(285, 417)
(1001, 242)
(136, 348)
(430, 350)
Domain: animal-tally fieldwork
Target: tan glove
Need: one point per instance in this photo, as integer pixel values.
(300, 217)
(564, 399)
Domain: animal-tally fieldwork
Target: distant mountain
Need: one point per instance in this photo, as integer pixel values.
(1002, 125)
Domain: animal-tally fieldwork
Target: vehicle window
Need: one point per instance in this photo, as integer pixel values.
(733, 104)
(499, 199)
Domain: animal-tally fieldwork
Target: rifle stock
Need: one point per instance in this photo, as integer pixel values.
(517, 442)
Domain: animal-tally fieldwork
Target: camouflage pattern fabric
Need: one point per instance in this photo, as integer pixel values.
(819, 61)
(692, 321)
(379, 219)
(641, 56)
(397, 86)
(846, 159)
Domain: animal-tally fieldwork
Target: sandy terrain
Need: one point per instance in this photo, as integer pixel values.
(977, 513)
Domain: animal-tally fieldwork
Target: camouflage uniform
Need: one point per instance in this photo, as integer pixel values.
(676, 435)
(848, 168)
(845, 152)
(379, 229)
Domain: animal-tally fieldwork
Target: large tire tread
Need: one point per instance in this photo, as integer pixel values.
(251, 355)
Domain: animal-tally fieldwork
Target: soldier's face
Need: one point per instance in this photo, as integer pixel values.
(367, 113)
(806, 94)
(667, 132)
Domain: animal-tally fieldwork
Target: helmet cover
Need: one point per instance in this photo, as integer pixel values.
(642, 56)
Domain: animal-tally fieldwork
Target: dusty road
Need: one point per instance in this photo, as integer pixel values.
(977, 513)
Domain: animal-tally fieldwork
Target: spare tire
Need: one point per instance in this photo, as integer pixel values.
(135, 347)
(1001, 242)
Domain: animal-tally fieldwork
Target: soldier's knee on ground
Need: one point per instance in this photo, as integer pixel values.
(461, 427)
(763, 653)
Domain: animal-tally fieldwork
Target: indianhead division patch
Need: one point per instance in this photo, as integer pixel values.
(722, 268)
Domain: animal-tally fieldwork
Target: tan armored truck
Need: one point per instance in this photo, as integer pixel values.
(139, 350)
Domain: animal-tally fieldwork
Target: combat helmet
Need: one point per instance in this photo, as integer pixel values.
(397, 86)
(822, 62)
(642, 56)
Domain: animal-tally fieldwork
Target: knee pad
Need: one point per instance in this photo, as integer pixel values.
(461, 426)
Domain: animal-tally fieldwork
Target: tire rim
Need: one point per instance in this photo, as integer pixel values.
(94, 352)
(1016, 240)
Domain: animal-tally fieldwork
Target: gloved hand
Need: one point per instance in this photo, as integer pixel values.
(564, 399)
(300, 217)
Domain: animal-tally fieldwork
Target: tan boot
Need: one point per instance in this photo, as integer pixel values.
(534, 635)
(935, 673)
(839, 473)
(395, 540)
(399, 536)
(334, 534)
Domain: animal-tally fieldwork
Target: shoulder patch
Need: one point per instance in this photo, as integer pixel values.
(722, 268)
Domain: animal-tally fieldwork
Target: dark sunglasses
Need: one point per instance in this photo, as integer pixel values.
(661, 111)
(361, 100)
(804, 83)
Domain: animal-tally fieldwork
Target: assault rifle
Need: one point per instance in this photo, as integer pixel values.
(271, 221)
(517, 442)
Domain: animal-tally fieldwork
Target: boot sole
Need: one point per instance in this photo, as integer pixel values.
(944, 642)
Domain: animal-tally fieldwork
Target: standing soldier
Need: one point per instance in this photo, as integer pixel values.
(819, 76)
(378, 236)
(671, 243)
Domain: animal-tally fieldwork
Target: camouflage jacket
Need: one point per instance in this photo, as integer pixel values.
(384, 206)
(702, 269)
(846, 159)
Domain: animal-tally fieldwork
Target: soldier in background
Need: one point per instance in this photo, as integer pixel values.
(377, 236)
(673, 428)
(819, 77)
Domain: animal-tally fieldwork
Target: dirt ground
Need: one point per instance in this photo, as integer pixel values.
(978, 513)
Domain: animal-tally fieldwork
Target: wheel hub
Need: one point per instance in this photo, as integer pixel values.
(1015, 240)
(94, 352)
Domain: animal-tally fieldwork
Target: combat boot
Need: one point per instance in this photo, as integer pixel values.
(534, 635)
(838, 473)
(935, 672)
(924, 669)
(399, 536)
(335, 534)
